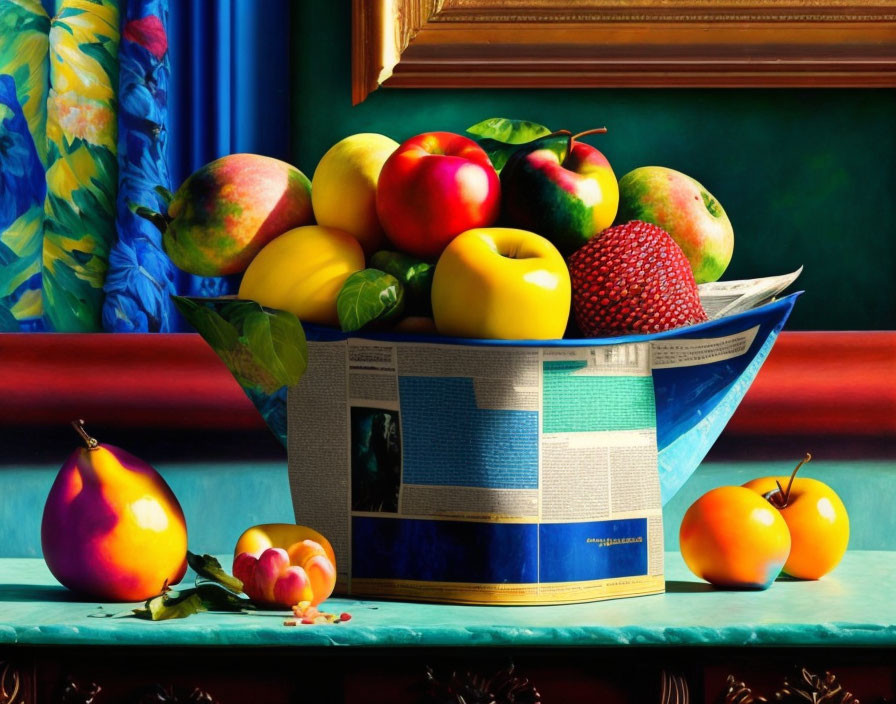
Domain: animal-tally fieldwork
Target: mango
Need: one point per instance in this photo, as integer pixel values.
(302, 271)
(226, 211)
(112, 529)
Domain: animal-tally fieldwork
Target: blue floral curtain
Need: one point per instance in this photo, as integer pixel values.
(192, 80)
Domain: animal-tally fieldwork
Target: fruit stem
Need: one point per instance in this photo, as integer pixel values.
(596, 130)
(782, 496)
(78, 425)
(165, 194)
(156, 218)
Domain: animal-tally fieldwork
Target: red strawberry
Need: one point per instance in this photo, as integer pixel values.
(633, 278)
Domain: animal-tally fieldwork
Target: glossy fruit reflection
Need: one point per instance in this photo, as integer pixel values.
(732, 537)
(816, 517)
(112, 528)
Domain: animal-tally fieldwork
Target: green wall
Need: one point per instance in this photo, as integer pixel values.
(808, 177)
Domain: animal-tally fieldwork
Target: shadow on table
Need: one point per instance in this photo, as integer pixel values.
(679, 587)
(31, 592)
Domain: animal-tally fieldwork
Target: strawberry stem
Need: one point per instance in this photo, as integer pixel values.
(78, 425)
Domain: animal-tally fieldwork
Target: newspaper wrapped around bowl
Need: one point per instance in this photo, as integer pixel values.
(489, 471)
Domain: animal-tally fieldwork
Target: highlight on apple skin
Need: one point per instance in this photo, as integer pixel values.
(817, 519)
(433, 187)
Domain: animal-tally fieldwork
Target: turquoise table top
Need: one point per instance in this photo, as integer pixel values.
(853, 606)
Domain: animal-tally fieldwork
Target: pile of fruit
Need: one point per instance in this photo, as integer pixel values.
(743, 537)
(113, 530)
(501, 234)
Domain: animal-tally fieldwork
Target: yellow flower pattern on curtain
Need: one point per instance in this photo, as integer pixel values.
(24, 29)
(82, 168)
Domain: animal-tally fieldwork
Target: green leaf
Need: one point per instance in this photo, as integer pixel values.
(263, 348)
(369, 296)
(218, 333)
(414, 274)
(508, 131)
(171, 605)
(498, 152)
(274, 341)
(216, 598)
(500, 137)
(208, 567)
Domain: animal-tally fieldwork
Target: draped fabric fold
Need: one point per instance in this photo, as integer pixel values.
(97, 103)
(141, 278)
(24, 67)
(229, 94)
(82, 177)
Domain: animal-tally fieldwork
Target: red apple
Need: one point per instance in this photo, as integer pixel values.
(433, 187)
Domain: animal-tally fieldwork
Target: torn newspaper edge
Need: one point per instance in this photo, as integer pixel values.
(721, 298)
(505, 472)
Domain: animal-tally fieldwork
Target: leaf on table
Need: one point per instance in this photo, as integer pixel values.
(264, 348)
(208, 567)
(173, 604)
(369, 296)
(216, 597)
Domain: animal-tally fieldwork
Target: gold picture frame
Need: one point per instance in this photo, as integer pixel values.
(622, 43)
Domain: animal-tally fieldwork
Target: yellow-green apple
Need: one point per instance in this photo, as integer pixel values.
(433, 187)
(563, 189)
(501, 283)
(302, 271)
(343, 188)
(684, 209)
(816, 517)
(229, 209)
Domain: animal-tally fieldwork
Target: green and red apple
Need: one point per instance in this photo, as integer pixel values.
(561, 188)
(501, 283)
(686, 210)
(433, 187)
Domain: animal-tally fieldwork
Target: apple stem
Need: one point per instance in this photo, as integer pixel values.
(596, 130)
(78, 425)
(782, 496)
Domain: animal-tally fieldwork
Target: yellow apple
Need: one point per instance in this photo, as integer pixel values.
(503, 284)
(816, 517)
(302, 270)
(343, 188)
